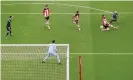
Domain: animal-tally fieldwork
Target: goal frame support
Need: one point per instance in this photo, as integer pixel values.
(80, 68)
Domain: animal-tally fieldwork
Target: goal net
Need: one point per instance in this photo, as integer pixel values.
(24, 62)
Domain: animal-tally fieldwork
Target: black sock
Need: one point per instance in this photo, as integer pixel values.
(10, 33)
(7, 34)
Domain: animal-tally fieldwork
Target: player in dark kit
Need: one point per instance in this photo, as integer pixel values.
(114, 17)
(76, 19)
(8, 26)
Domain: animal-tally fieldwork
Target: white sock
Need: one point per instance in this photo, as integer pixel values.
(111, 26)
(49, 27)
(58, 58)
(103, 29)
(46, 23)
(46, 57)
(78, 27)
(73, 22)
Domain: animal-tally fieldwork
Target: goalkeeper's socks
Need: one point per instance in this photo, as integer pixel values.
(58, 58)
(45, 58)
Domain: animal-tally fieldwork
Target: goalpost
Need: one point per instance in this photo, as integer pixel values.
(28, 57)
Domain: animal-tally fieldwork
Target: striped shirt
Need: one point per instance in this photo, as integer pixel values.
(76, 16)
(104, 21)
(46, 12)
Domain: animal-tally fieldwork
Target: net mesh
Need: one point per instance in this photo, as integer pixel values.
(24, 63)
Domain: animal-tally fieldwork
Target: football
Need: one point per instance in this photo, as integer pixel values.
(101, 27)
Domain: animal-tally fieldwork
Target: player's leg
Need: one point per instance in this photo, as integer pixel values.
(111, 21)
(105, 28)
(7, 34)
(46, 57)
(57, 56)
(73, 20)
(77, 25)
(115, 27)
(116, 22)
(8, 31)
(47, 22)
(102, 28)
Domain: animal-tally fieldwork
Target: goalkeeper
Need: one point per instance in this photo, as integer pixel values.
(52, 52)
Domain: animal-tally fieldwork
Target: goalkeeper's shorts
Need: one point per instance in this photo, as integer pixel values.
(52, 54)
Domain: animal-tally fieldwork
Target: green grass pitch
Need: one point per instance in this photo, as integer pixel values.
(31, 29)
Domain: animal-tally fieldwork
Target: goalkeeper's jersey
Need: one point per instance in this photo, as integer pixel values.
(52, 48)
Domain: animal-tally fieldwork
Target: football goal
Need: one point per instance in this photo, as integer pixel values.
(24, 62)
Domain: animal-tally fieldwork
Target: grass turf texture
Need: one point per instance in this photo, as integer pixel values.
(31, 29)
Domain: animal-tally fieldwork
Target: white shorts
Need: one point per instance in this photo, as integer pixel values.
(52, 54)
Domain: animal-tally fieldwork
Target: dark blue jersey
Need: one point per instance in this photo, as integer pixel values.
(9, 22)
(115, 15)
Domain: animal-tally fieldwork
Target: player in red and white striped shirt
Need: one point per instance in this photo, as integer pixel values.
(76, 19)
(46, 14)
(105, 24)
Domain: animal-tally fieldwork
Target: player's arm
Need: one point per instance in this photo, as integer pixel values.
(107, 22)
(43, 11)
(49, 11)
(48, 46)
(117, 15)
(73, 18)
(55, 48)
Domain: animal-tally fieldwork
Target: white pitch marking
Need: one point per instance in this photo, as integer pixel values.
(25, 3)
(75, 53)
(68, 5)
(106, 11)
(85, 7)
(25, 13)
